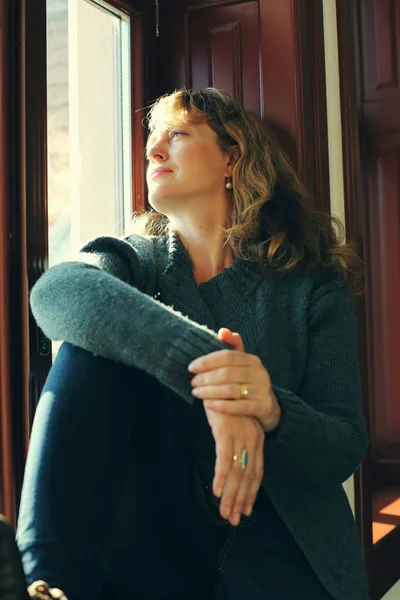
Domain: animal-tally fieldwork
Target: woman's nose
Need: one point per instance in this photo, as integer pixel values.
(157, 151)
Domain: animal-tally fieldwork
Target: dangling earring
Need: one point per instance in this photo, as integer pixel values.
(228, 183)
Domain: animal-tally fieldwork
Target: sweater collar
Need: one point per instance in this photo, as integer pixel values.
(243, 274)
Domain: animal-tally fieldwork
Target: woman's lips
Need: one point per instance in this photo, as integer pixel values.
(157, 172)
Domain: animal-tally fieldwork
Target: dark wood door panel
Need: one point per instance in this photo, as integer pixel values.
(369, 37)
(380, 26)
(384, 244)
(379, 22)
(212, 3)
(267, 54)
(380, 131)
(382, 122)
(293, 87)
(281, 69)
(223, 51)
(380, 56)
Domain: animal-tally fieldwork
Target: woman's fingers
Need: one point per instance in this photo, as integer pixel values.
(235, 485)
(244, 488)
(255, 484)
(228, 375)
(234, 339)
(252, 477)
(250, 407)
(224, 452)
(229, 391)
(230, 478)
(232, 486)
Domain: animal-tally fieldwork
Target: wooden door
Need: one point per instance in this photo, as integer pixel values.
(224, 51)
(369, 52)
(380, 132)
(269, 55)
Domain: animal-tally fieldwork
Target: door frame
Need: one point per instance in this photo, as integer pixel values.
(382, 559)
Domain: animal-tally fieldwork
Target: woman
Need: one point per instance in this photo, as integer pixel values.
(120, 496)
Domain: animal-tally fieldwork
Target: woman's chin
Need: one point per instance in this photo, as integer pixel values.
(156, 201)
(159, 200)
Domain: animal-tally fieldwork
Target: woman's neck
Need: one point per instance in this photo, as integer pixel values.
(209, 254)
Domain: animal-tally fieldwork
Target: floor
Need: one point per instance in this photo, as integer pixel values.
(386, 512)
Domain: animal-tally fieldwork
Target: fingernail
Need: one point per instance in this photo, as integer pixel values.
(218, 493)
(248, 510)
(236, 519)
(226, 513)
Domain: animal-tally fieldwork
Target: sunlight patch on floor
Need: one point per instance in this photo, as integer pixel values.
(386, 512)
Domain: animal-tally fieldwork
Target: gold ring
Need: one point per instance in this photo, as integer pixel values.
(244, 392)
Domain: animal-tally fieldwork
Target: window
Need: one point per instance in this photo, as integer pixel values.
(99, 45)
(88, 124)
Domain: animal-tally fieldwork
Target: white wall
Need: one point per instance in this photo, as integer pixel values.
(336, 162)
(393, 593)
(333, 109)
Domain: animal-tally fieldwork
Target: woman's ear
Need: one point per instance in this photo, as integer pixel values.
(233, 155)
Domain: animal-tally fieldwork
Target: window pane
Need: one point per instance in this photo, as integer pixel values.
(89, 150)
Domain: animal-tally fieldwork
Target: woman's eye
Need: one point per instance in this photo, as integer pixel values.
(173, 134)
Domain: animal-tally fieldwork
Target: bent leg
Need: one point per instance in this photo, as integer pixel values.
(108, 500)
(176, 544)
(80, 447)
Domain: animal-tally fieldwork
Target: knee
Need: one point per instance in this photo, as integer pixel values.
(77, 371)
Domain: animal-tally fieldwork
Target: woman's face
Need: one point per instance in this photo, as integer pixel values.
(186, 164)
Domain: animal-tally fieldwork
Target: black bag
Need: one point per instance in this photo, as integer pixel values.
(12, 578)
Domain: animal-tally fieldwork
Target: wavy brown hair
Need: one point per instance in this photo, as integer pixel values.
(272, 219)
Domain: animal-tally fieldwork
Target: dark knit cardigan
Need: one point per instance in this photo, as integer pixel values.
(135, 300)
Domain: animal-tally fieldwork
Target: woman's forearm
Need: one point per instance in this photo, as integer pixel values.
(83, 305)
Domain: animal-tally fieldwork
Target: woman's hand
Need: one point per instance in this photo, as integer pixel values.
(220, 376)
(237, 487)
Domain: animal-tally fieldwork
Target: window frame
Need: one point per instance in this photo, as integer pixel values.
(13, 285)
(135, 10)
(25, 353)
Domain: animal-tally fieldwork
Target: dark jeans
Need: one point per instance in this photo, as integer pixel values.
(113, 506)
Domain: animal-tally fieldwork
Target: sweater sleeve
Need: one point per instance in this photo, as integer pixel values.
(322, 437)
(116, 256)
(101, 311)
